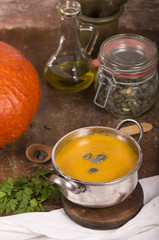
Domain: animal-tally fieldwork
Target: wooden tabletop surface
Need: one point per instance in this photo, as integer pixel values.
(66, 111)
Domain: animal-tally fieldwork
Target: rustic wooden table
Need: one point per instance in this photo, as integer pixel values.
(68, 111)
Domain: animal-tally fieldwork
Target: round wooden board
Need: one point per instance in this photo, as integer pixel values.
(105, 218)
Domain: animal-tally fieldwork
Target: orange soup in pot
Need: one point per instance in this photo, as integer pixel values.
(96, 158)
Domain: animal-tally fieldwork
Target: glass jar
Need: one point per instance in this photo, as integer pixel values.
(127, 79)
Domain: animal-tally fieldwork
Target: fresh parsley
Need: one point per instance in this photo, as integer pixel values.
(27, 194)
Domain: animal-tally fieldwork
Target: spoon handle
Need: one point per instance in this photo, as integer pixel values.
(133, 129)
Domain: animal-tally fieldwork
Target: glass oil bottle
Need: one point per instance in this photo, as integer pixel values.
(70, 67)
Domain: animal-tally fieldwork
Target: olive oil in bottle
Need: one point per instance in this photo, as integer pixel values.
(70, 67)
(69, 75)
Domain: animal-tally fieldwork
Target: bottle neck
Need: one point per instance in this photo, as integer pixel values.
(70, 30)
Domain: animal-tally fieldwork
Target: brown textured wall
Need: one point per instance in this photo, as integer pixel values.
(138, 14)
(141, 14)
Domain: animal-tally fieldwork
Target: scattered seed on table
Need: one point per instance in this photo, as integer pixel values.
(25, 160)
(32, 169)
(32, 124)
(4, 147)
(47, 126)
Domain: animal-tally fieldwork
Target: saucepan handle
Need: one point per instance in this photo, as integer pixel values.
(67, 185)
(133, 121)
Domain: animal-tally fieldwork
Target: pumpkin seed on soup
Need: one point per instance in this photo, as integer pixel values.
(96, 160)
(101, 157)
(92, 170)
(87, 156)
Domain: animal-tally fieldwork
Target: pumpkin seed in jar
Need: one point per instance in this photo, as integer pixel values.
(126, 109)
(130, 98)
(128, 90)
(92, 170)
(87, 156)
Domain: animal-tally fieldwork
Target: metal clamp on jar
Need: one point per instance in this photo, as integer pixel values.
(127, 79)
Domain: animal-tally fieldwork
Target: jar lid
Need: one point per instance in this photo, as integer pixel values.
(128, 55)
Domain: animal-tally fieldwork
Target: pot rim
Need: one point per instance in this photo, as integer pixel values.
(69, 178)
(103, 20)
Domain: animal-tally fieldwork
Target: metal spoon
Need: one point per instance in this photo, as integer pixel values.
(30, 151)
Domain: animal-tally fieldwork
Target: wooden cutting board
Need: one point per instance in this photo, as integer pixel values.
(105, 218)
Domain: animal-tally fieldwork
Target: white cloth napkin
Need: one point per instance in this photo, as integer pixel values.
(56, 225)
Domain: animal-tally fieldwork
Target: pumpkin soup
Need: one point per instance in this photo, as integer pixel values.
(96, 158)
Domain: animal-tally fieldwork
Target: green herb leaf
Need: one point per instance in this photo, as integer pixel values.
(4, 187)
(19, 195)
(27, 194)
(22, 180)
(11, 181)
(11, 205)
(2, 194)
(42, 173)
(44, 194)
(54, 192)
(33, 202)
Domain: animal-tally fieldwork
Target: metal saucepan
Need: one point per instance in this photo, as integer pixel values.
(98, 194)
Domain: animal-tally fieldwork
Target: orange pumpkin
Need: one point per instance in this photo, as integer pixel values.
(19, 93)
